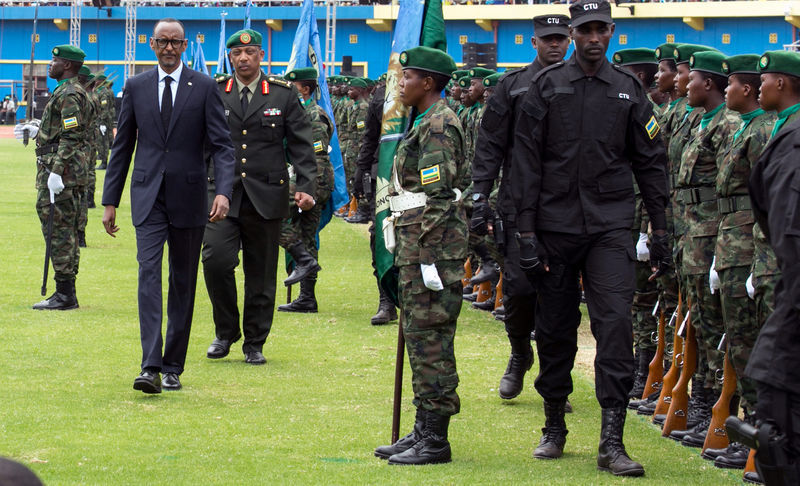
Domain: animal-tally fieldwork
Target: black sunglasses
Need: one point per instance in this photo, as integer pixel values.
(162, 43)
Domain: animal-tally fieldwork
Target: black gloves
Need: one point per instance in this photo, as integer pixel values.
(660, 254)
(481, 215)
(532, 258)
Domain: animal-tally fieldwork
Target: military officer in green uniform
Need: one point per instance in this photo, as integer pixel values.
(87, 79)
(61, 160)
(431, 237)
(299, 232)
(269, 129)
(107, 118)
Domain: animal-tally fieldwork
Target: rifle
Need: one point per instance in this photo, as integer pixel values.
(398, 379)
(498, 299)
(717, 437)
(655, 374)
(467, 273)
(484, 291)
(665, 398)
(48, 242)
(676, 416)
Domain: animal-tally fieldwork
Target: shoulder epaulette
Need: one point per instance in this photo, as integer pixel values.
(627, 72)
(549, 68)
(279, 82)
(437, 123)
(223, 79)
(511, 72)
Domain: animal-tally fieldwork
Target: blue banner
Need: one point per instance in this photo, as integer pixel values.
(223, 61)
(306, 52)
(199, 59)
(247, 14)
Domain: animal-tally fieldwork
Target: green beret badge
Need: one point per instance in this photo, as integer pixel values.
(291, 76)
(245, 38)
(691, 61)
(725, 67)
(763, 62)
(617, 58)
(676, 53)
(403, 58)
(658, 52)
(55, 51)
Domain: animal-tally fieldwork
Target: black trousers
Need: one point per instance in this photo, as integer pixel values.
(783, 408)
(606, 262)
(184, 256)
(519, 296)
(258, 239)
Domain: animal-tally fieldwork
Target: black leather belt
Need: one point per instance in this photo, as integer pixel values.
(50, 148)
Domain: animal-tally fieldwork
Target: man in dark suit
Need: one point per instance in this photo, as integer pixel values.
(171, 115)
(269, 128)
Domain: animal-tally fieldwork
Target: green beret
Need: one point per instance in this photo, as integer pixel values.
(84, 70)
(245, 37)
(743, 63)
(333, 79)
(302, 74)
(626, 57)
(101, 76)
(666, 51)
(782, 62)
(683, 52)
(707, 61)
(357, 83)
(464, 82)
(458, 74)
(92, 77)
(491, 80)
(370, 82)
(428, 59)
(68, 52)
(480, 72)
(382, 77)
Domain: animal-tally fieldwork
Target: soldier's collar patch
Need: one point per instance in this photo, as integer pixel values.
(430, 175)
(272, 112)
(652, 127)
(70, 122)
(229, 86)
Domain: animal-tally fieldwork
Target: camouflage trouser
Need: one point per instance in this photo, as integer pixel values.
(83, 206)
(707, 321)
(429, 327)
(645, 325)
(765, 296)
(741, 327)
(64, 251)
(102, 145)
(302, 226)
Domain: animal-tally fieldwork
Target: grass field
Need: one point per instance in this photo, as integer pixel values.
(312, 415)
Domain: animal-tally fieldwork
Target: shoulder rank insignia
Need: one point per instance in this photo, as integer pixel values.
(70, 122)
(652, 127)
(229, 86)
(430, 175)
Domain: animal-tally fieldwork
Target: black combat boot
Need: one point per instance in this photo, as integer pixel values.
(433, 448)
(386, 311)
(467, 290)
(698, 410)
(103, 165)
(362, 215)
(734, 457)
(63, 298)
(554, 433)
(304, 264)
(404, 443)
(489, 271)
(488, 304)
(81, 239)
(635, 404)
(306, 301)
(611, 455)
(519, 363)
(644, 357)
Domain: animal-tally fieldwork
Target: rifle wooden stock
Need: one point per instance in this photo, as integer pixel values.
(467, 273)
(751, 462)
(484, 291)
(671, 378)
(717, 437)
(676, 416)
(498, 293)
(398, 379)
(655, 374)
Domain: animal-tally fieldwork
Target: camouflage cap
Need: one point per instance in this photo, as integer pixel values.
(491, 80)
(683, 52)
(68, 52)
(708, 62)
(302, 74)
(666, 51)
(244, 37)
(641, 55)
(782, 62)
(428, 59)
(743, 63)
(480, 72)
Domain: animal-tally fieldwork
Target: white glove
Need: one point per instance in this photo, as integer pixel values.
(103, 129)
(431, 277)
(751, 291)
(19, 130)
(55, 184)
(642, 252)
(713, 277)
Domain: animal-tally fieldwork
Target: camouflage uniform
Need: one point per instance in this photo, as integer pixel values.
(696, 190)
(108, 118)
(60, 148)
(347, 136)
(92, 139)
(356, 124)
(303, 226)
(646, 293)
(766, 274)
(734, 247)
(433, 234)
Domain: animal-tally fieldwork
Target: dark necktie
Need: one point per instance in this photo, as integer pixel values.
(166, 103)
(245, 102)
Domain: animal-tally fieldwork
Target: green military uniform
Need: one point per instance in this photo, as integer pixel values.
(61, 149)
(92, 138)
(696, 190)
(107, 118)
(735, 245)
(356, 124)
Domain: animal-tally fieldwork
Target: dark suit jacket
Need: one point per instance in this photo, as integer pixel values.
(275, 130)
(174, 155)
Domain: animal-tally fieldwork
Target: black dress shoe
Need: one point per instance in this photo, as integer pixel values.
(171, 382)
(220, 348)
(254, 358)
(147, 382)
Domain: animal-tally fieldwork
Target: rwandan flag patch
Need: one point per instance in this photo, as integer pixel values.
(317, 146)
(430, 175)
(71, 122)
(360, 125)
(652, 127)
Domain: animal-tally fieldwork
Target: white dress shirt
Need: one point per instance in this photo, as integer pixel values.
(176, 76)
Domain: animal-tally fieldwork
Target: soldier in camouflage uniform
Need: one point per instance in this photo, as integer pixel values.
(299, 231)
(356, 124)
(61, 159)
(107, 118)
(696, 190)
(86, 79)
(431, 235)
